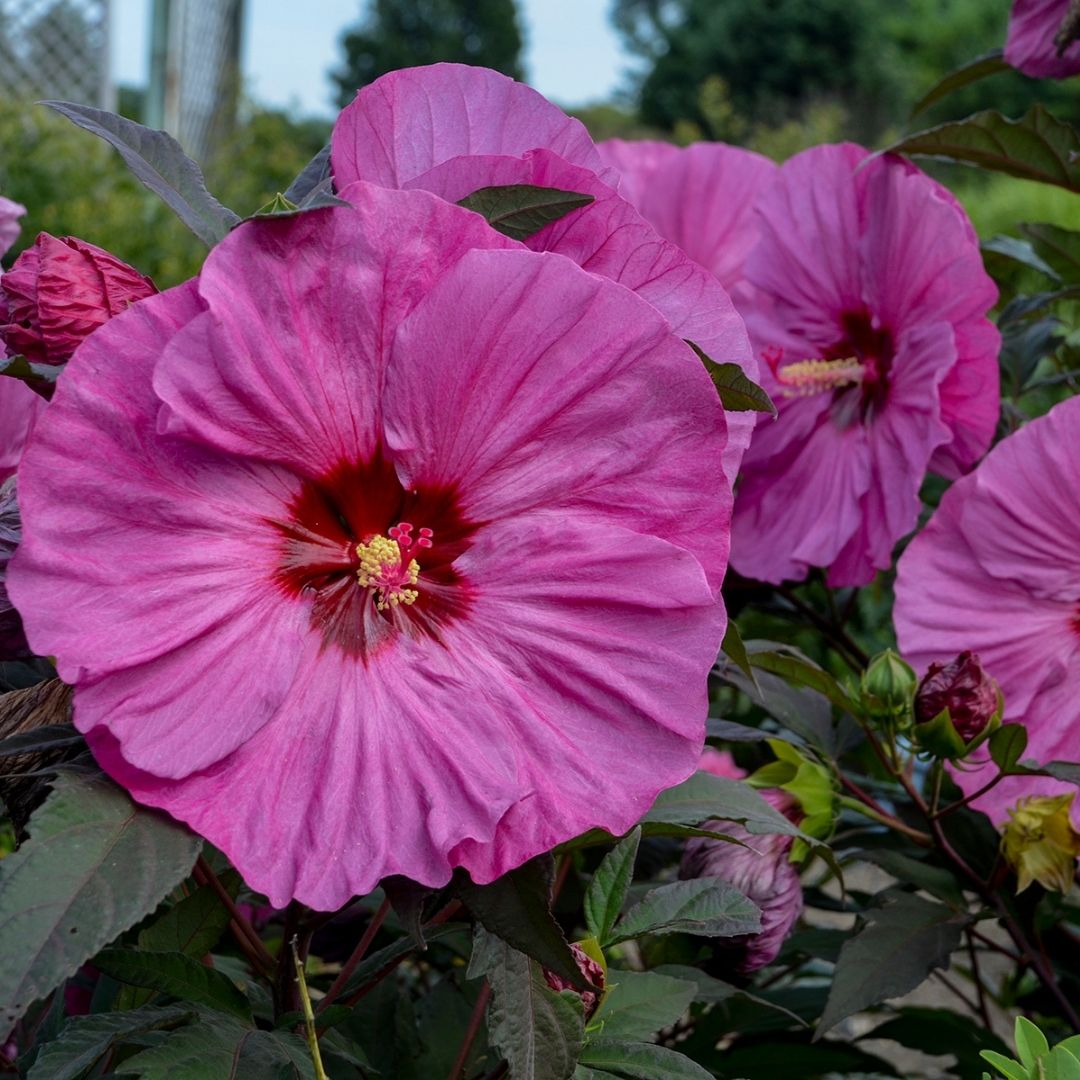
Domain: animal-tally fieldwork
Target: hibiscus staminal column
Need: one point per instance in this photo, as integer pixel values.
(371, 602)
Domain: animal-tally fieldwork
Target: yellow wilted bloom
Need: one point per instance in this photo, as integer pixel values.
(1040, 843)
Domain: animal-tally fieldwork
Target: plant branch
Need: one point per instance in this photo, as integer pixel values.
(475, 1020)
(309, 1017)
(242, 930)
(358, 954)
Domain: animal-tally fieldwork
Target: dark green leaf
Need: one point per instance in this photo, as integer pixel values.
(1007, 744)
(522, 210)
(606, 893)
(990, 63)
(640, 1003)
(175, 974)
(390, 955)
(1020, 251)
(712, 990)
(442, 1019)
(900, 944)
(705, 797)
(314, 173)
(42, 739)
(601, 838)
(85, 1040)
(221, 1047)
(705, 906)
(738, 393)
(1068, 771)
(936, 880)
(638, 1061)
(538, 1030)
(729, 731)
(94, 865)
(517, 909)
(39, 377)
(158, 162)
(783, 1055)
(1057, 246)
(733, 648)
(407, 899)
(1036, 147)
(938, 1032)
(801, 672)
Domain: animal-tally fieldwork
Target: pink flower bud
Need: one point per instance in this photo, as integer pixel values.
(761, 871)
(962, 688)
(58, 292)
(591, 970)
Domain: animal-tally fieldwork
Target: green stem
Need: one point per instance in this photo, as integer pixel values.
(309, 1015)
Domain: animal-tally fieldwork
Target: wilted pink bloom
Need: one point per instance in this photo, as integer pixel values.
(1044, 38)
(365, 548)
(10, 212)
(761, 871)
(700, 197)
(59, 291)
(997, 570)
(453, 129)
(869, 305)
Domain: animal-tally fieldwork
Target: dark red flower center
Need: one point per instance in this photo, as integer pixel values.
(375, 559)
(855, 370)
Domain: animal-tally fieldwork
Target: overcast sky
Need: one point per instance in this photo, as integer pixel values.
(571, 54)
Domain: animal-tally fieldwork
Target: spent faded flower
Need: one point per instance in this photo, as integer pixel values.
(997, 571)
(59, 291)
(453, 130)
(868, 299)
(762, 870)
(1040, 843)
(1044, 38)
(365, 547)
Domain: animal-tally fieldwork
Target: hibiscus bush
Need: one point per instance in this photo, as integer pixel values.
(542, 609)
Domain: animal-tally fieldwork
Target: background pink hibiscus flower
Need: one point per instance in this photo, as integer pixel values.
(453, 129)
(1032, 46)
(869, 302)
(10, 212)
(362, 548)
(997, 571)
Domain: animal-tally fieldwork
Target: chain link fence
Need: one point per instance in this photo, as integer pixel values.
(55, 49)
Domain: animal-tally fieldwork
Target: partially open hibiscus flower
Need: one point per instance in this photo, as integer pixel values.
(453, 130)
(1044, 38)
(366, 547)
(868, 303)
(997, 571)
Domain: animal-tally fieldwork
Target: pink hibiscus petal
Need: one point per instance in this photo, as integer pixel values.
(597, 387)
(700, 198)
(20, 408)
(608, 237)
(10, 212)
(410, 783)
(409, 121)
(1030, 47)
(252, 392)
(108, 576)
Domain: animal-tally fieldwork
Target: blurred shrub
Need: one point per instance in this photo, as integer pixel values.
(73, 184)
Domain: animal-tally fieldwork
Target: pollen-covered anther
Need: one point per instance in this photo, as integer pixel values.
(387, 565)
(807, 377)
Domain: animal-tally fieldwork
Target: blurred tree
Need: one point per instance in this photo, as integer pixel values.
(773, 57)
(732, 69)
(403, 33)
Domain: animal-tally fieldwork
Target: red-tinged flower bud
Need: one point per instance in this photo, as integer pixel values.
(962, 696)
(58, 292)
(591, 970)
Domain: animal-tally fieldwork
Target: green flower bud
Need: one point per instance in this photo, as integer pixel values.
(888, 687)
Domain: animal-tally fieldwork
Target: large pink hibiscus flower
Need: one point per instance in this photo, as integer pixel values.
(364, 548)
(997, 571)
(869, 303)
(1032, 47)
(453, 129)
(700, 197)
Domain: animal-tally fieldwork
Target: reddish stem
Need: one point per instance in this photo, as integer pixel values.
(358, 954)
(475, 1020)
